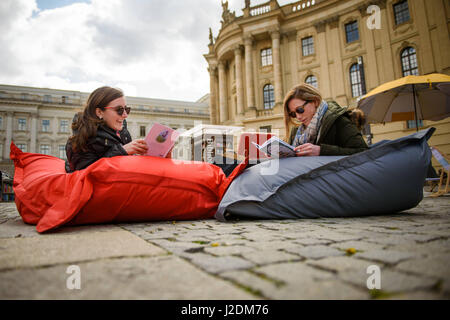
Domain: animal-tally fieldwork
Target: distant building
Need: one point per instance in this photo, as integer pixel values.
(257, 57)
(39, 120)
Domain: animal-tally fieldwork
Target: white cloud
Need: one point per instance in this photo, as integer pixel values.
(149, 48)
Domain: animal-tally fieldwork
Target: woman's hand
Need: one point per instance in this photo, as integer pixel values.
(307, 149)
(138, 146)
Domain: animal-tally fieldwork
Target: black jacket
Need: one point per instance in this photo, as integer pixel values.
(105, 144)
(338, 135)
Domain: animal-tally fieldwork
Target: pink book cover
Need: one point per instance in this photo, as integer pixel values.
(160, 140)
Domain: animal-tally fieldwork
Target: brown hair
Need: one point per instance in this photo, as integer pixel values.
(87, 121)
(302, 91)
(358, 118)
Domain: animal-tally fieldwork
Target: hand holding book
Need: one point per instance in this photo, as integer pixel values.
(138, 146)
(160, 140)
(276, 148)
(307, 149)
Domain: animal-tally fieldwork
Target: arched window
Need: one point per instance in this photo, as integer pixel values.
(312, 80)
(409, 62)
(269, 99)
(356, 80)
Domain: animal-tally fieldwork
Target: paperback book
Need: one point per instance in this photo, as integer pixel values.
(160, 140)
(276, 148)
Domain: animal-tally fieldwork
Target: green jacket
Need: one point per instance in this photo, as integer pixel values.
(338, 135)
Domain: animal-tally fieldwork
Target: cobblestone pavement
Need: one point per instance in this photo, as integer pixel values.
(279, 259)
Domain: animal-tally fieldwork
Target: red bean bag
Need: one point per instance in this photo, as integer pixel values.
(118, 189)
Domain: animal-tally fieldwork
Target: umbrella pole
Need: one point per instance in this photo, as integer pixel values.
(415, 108)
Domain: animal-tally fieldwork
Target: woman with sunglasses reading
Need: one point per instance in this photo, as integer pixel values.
(326, 128)
(100, 130)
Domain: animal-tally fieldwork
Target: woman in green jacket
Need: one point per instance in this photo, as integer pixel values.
(326, 128)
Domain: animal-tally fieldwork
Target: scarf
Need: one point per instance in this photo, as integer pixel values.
(309, 134)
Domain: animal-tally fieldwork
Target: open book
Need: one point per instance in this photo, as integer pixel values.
(160, 140)
(276, 148)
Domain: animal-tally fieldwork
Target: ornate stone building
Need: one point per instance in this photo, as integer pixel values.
(344, 47)
(39, 120)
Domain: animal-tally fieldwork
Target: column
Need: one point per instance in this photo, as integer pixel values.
(239, 86)
(248, 41)
(387, 70)
(222, 93)
(323, 58)
(212, 94)
(370, 65)
(427, 59)
(34, 132)
(276, 60)
(9, 130)
(442, 61)
(339, 89)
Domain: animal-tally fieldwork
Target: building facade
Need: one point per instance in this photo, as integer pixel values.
(344, 47)
(39, 120)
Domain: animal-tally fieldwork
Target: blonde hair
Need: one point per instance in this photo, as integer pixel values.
(302, 91)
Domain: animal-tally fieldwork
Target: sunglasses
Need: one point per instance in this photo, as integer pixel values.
(120, 110)
(299, 110)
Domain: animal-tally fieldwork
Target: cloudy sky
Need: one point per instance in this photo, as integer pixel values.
(149, 48)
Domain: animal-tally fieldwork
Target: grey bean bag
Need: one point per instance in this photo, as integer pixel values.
(387, 178)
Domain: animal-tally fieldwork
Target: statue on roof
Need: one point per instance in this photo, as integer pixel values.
(247, 3)
(211, 38)
(227, 15)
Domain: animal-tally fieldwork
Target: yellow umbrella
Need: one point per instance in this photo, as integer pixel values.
(413, 97)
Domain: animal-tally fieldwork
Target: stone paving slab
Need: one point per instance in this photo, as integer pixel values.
(127, 278)
(208, 259)
(46, 250)
(391, 281)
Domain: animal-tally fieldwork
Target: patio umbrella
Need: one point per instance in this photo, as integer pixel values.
(409, 98)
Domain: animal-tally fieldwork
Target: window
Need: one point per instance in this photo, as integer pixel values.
(351, 31)
(410, 124)
(45, 125)
(22, 146)
(142, 131)
(356, 80)
(269, 99)
(1, 152)
(409, 62)
(266, 57)
(62, 151)
(47, 98)
(401, 12)
(64, 126)
(312, 80)
(1, 123)
(266, 129)
(308, 46)
(45, 149)
(22, 124)
(64, 99)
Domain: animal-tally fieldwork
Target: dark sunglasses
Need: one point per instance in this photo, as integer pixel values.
(298, 110)
(120, 110)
